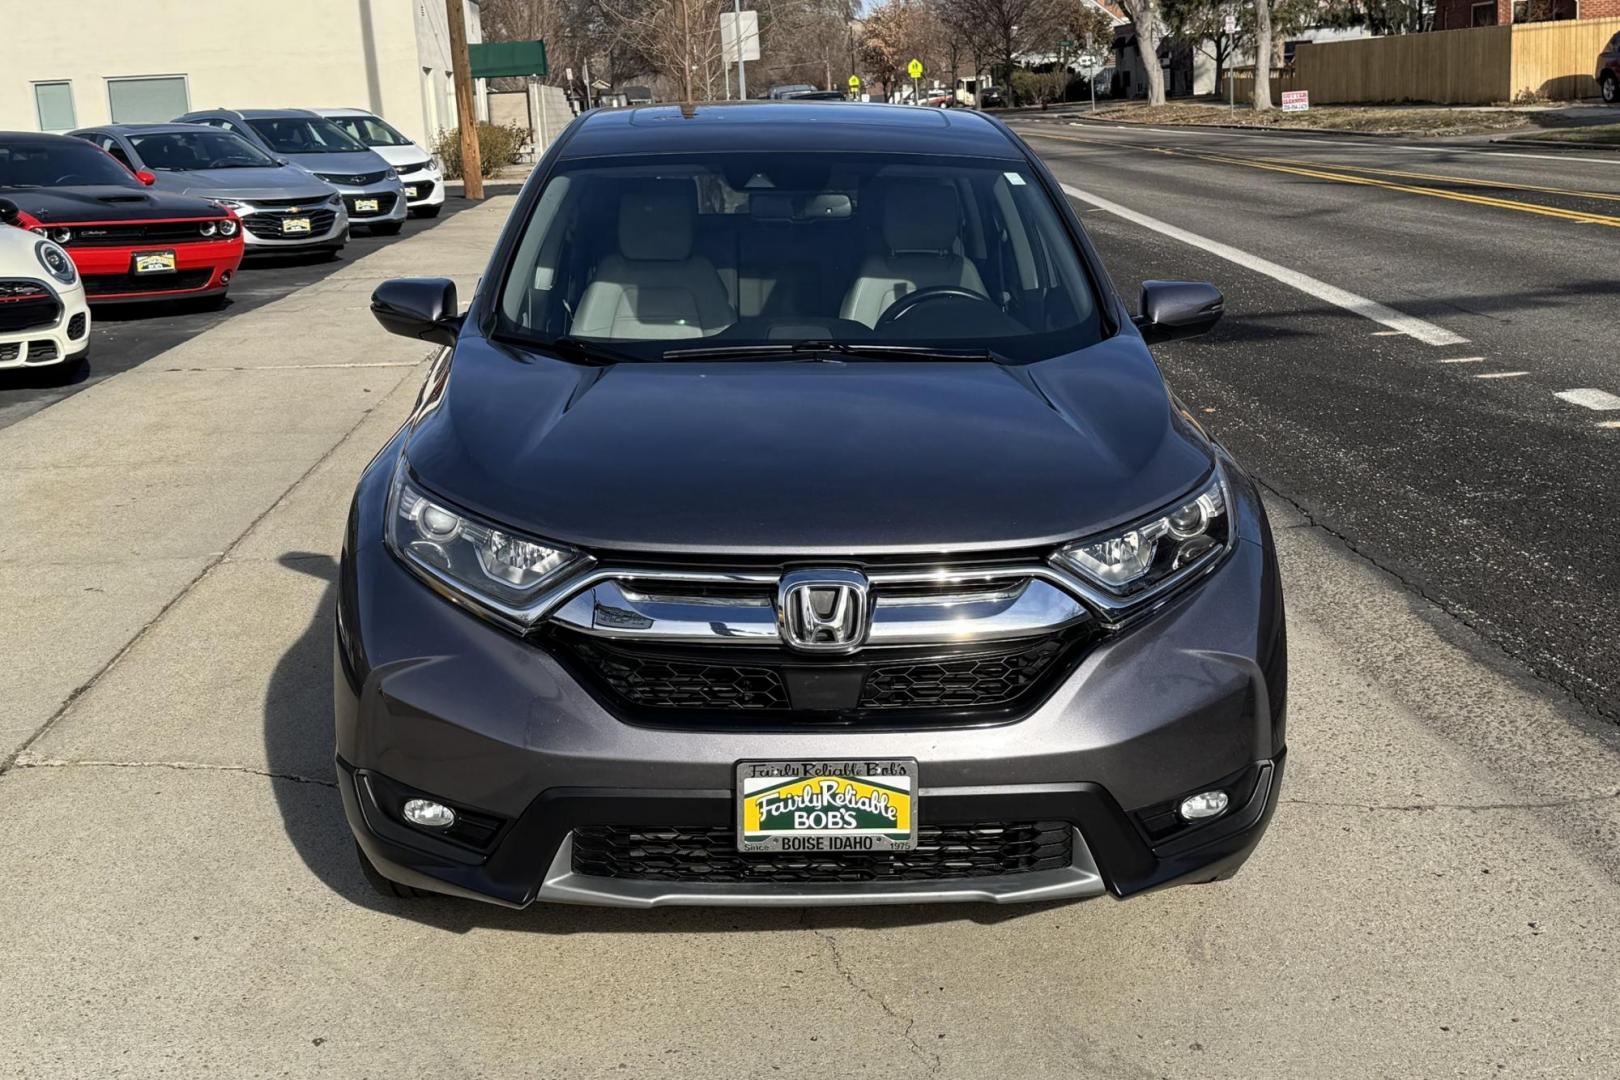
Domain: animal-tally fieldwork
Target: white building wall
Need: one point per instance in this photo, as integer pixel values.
(436, 88)
(300, 53)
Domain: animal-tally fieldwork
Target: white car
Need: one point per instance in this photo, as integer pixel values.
(419, 171)
(44, 320)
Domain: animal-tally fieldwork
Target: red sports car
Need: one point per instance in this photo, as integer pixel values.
(129, 241)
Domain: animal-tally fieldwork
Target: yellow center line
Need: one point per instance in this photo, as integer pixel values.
(1319, 173)
(1470, 181)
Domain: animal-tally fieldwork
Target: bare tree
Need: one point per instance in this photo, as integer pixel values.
(1011, 28)
(1148, 19)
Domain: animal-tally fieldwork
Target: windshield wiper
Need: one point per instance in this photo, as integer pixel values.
(858, 349)
(582, 350)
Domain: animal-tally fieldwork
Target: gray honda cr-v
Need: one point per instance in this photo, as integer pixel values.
(797, 516)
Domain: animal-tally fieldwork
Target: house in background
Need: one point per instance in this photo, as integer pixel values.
(156, 59)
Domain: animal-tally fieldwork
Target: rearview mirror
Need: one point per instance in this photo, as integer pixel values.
(421, 308)
(1178, 309)
(10, 214)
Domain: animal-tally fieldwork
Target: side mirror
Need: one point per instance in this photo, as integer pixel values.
(282, 161)
(1178, 309)
(421, 308)
(146, 177)
(10, 213)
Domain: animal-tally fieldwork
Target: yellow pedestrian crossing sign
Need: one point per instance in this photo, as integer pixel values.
(914, 69)
(854, 82)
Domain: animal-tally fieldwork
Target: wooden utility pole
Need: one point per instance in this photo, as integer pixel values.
(472, 173)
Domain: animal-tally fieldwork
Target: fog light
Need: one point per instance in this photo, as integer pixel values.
(432, 815)
(1206, 804)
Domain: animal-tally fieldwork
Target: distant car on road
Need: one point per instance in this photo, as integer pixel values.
(778, 93)
(814, 95)
(1608, 71)
(283, 208)
(44, 320)
(127, 239)
(419, 171)
(930, 589)
(371, 190)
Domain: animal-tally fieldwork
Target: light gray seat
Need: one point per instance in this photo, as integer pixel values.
(921, 223)
(653, 286)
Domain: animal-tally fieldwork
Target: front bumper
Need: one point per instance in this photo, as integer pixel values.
(62, 341)
(202, 268)
(434, 701)
(390, 196)
(262, 235)
(428, 186)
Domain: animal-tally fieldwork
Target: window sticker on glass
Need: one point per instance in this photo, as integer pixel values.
(1014, 179)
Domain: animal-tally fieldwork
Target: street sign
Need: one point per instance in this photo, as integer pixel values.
(493, 59)
(854, 82)
(729, 21)
(1231, 24)
(914, 69)
(1296, 101)
(1089, 64)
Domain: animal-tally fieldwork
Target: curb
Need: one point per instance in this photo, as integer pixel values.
(1559, 144)
(1270, 130)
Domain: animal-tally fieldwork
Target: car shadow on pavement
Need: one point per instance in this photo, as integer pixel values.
(298, 744)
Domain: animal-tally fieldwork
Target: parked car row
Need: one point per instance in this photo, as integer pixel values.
(129, 213)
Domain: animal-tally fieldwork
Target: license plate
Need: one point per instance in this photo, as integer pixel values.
(410, 192)
(154, 262)
(295, 225)
(365, 206)
(828, 806)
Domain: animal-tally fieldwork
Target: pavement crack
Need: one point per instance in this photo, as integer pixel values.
(26, 760)
(929, 1058)
(1545, 804)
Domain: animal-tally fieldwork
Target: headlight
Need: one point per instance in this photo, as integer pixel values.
(61, 235)
(230, 204)
(227, 227)
(207, 228)
(390, 175)
(56, 262)
(433, 163)
(334, 199)
(1150, 553)
(490, 565)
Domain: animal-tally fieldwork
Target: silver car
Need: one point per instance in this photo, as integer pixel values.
(371, 189)
(282, 207)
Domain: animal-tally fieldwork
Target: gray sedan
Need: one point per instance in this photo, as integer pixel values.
(282, 207)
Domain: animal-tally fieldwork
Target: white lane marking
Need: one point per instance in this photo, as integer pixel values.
(1410, 325)
(1386, 333)
(1501, 375)
(1463, 360)
(1588, 398)
(1610, 424)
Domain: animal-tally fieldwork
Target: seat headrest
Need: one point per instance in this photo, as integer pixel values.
(920, 216)
(656, 221)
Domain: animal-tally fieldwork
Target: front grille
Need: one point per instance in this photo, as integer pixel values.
(10, 352)
(27, 304)
(40, 350)
(385, 203)
(268, 226)
(353, 179)
(709, 855)
(179, 281)
(917, 685)
(408, 170)
(75, 327)
(140, 232)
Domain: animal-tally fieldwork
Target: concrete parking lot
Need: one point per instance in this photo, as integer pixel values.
(1436, 897)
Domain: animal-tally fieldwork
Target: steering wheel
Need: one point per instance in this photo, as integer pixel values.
(911, 301)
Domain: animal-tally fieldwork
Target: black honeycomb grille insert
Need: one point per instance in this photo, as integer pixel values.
(709, 855)
(659, 683)
(970, 682)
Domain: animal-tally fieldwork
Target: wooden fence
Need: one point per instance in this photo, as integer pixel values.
(1480, 66)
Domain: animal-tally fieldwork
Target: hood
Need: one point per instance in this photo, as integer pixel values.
(359, 161)
(109, 202)
(808, 458)
(275, 182)
(401, 155)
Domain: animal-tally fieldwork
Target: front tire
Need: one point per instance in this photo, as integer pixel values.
(385, 887)
(1610, 86)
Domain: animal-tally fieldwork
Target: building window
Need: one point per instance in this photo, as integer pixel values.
(1483, 15)
(53, 101)
(148, 99)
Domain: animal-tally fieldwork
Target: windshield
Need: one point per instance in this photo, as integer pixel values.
(171, 151)
(69, 162)
(299, 135)
(649, 254)
(370, 130)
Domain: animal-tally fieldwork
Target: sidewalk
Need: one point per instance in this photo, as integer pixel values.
(122, 497)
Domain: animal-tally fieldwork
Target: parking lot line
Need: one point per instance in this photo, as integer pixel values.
(1410, 325)
(1590, 398)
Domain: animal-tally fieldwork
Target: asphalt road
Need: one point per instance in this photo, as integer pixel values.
(1435, 441)
(124, 336)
